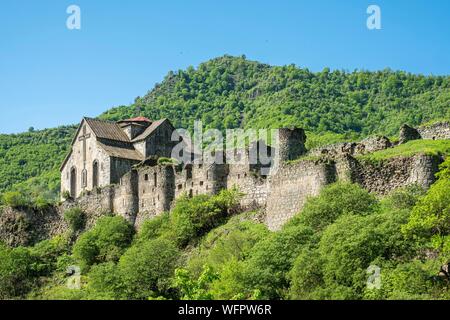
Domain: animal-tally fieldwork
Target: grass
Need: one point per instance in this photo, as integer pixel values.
(428, 147)
(432, 122)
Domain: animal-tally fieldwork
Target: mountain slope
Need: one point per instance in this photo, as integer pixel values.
(230, 92)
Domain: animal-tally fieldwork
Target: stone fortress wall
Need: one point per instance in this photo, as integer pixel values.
(150, 189)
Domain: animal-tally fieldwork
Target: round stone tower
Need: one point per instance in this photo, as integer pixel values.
(290, 144)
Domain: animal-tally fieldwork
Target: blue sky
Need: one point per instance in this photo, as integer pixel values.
(51, 76)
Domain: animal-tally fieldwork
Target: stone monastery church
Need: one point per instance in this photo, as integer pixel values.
(114, 167)
(103, 151)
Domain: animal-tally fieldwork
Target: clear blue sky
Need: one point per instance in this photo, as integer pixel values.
(50, 75)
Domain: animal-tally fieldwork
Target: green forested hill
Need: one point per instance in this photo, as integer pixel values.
(230, 92)
(33, 154)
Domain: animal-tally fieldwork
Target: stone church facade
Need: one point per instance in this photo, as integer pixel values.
(103, 151)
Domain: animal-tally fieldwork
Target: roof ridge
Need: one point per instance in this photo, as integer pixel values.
(100, 120)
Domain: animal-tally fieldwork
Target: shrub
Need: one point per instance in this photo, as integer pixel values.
(272, 258)
(193, 217)
(105, 242)
(191, 289)
(15, 199)
(47, 253)
(75, 218)
(333, 201)
(234, 240)
(350, 245)
(154, 228)
(306, 275)
(412, 280)
(66, 195)
(16, 274)
(104, 282)
(403, 198)
(147, 267)
(431, 215)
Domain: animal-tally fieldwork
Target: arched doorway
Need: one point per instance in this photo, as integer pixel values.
(73, 183)
(95, 174)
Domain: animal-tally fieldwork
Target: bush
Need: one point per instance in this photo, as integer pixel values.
(154, 228)
(306, 275)
(333, 201)
(75, 218)
(104, 282)
(15, 199)
(350, 245)
(147, 267)
(105, 242)
(271, 260)
(193, 217)
(66, 195)
(16, 274)
(431, 216)
(47, 253)
(234, 240)
(413, 280)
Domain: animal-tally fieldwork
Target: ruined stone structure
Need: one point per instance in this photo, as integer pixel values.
(113, 167)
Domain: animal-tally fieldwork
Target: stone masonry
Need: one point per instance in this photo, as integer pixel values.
(140, 189)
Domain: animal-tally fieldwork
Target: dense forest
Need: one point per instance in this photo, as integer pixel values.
(344, 244)
(233, 92)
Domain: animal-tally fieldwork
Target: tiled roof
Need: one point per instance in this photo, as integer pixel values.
(137, 119)
(107, 130)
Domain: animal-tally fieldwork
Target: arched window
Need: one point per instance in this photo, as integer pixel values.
(84, 178)
(73, 183)
(95, 174)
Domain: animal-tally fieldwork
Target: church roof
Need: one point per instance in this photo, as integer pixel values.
(121, 152)
(149, 130)
(112, 131)
(107, 130)
(137, 119)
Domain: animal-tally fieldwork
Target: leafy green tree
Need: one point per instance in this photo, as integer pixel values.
(16, 273)
(191, 289)
(271, 260)
(430, 218)
(146, 268)
(334, 201)
(104, 282)
(107, 241)
(193, 217)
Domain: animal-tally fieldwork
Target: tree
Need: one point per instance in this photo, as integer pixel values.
(334, 201)
(146, 268)
(107, 241)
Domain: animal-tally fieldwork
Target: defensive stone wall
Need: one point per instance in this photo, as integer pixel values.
(385, 176)
(436, 131)
(292, 185)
